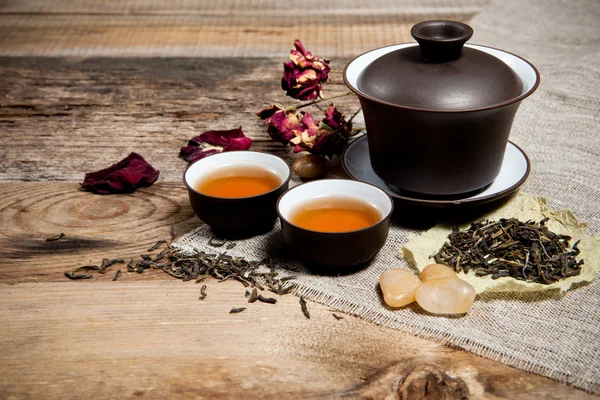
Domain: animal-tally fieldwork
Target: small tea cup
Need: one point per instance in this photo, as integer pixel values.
(335, 251)
(241, 216)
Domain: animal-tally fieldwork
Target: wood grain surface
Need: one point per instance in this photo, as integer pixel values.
(157, 340)
(147, 334)
(63, 117)
(232, 28)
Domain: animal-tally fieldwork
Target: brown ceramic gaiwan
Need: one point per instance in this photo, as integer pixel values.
(438, 112)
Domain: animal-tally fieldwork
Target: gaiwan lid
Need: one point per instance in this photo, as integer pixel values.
(439, 73)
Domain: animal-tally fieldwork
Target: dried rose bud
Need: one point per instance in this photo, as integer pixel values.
(123, 177)
(329, 143)
(213, 142)
(306, 134)
(304, 74)
(335, 120)
(319, 138)
(281, 122)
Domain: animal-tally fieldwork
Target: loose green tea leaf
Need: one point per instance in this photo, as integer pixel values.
(253, 296)
(117, 275)
(73, 276)
(304, 308)
(237, 310)
(216, 242)
(202, 293)
(157, 245)
(54, 238)
(269, 300)
(336, 316)
(87, 268)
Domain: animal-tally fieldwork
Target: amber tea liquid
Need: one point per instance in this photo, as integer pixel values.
(239, 181)
(335, 214)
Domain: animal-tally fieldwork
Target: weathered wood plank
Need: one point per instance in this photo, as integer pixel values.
(255, 33)
(157, 340)
(60, 118)
(232, 7)
(230, 28)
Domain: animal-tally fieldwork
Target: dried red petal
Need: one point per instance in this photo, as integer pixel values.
(335, 120)
(333, 117)
(123, 177)
(309, 123)
(282, 125)
(267, 113)
(219, 141)
(192, 153)
(232, 139)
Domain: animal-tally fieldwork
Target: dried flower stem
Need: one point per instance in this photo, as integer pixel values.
(310, 103)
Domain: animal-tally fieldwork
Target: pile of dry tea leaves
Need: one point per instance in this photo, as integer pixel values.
(509, 247)
(506, 257)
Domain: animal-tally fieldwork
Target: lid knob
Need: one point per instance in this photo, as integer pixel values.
(441, 41)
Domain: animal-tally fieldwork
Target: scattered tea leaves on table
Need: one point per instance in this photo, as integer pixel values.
(304, 308)
(336, 316)
(257, 275)
(172, 231)
(56, 237)
(116, 275)
(237, 310)
(230, 246)
(74, 276)
(526, 251)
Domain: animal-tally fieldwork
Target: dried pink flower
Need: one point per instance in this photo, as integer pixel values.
(304, 74)
(335, 120)
(213, 142)
(327, 138)
(281, 122)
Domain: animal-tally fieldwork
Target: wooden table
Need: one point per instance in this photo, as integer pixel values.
(148, 335)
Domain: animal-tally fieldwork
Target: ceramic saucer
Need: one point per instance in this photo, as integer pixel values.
(514, 171)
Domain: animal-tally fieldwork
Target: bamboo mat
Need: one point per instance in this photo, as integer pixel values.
(228, 28)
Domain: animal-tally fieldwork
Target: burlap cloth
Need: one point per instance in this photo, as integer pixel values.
(552, 335)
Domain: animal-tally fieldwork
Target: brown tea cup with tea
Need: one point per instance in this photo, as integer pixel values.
(336, 225)
(236, 192)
